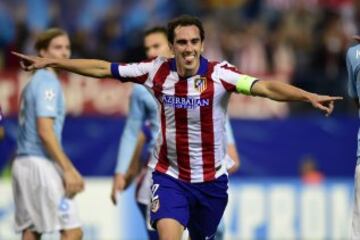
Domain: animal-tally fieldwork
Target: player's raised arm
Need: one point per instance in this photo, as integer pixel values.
(285, 92)
(87, 67)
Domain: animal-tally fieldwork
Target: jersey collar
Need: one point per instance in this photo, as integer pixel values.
(202, 69)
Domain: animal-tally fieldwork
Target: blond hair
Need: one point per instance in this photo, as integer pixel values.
(43, 40)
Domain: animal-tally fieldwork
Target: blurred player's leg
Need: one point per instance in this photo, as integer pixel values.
(27, 234)
(355, 229)
(220, 232)
(144, 209)
(72, 234)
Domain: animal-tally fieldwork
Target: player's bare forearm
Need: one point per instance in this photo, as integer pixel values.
(279, 91)
(51, 144)
(284, 92)
(87, 67)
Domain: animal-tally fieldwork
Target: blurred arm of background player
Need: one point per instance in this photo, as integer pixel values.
(352, 90)
(130, 147)
(122, 181)
(234, 161)
(72, 179)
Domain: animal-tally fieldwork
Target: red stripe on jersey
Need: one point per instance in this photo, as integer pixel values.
(228, 86)
(159, 79)
(207, 128)
(182, 139)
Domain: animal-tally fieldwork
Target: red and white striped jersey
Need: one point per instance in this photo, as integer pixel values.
(192, 144)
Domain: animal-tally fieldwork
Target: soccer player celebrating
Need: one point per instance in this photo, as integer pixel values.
(189, 181)
(143, 111)
(353, 67)
(44, 179)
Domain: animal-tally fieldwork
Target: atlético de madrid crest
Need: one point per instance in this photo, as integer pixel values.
(200, 84)
(155, 205)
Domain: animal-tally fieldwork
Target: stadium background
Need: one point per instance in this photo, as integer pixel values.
(302, 42)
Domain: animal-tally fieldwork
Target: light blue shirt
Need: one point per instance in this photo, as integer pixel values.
(143, 107)
(353, 69)
(41, 97)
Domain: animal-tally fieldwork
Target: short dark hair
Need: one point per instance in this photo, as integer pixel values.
(43, 39)
(184, 20)
(156, 29)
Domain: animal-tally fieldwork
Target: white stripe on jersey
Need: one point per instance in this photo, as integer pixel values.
(168, 90)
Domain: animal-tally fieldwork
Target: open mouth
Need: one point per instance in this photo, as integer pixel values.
(189, 58)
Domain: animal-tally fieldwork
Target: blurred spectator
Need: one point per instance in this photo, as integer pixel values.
(309, 171)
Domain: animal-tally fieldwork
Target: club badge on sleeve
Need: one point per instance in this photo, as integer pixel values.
(49, 95)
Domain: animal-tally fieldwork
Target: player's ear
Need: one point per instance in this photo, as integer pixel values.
(202, 47)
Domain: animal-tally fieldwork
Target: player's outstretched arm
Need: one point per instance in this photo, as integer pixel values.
(285, 92)
(87, 67)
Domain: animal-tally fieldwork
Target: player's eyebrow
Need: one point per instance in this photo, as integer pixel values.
(185, 41)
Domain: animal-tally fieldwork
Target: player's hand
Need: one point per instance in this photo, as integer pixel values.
(30, 63)
(234, 168)
(324, 103)
(119, 183)
(356, 37)
(73, 181)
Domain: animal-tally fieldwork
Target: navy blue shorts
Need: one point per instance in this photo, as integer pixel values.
(197, 206)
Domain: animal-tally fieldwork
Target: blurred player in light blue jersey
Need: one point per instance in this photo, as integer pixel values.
(353, 68)
(142, 126)
(44, 179)
(142, 111)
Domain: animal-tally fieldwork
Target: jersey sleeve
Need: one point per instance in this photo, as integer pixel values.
(351, 76)
(233, 80)
(46, 95)
(133, 72)
(130, 133)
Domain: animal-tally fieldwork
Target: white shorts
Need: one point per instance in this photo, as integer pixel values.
(143, 194)
(38, 192)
